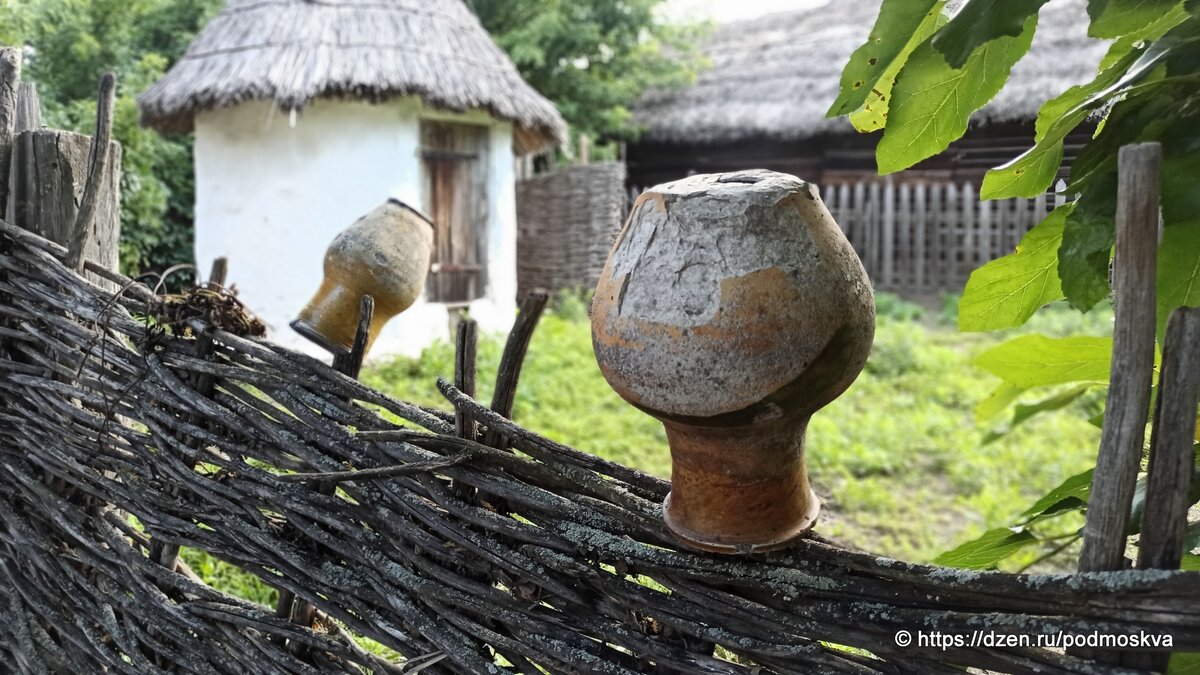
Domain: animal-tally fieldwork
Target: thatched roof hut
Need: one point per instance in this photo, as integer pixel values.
(775, 76)
(308, 114)
(762, 104)
(291, 52)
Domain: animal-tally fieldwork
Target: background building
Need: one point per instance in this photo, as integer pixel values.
(307, 115)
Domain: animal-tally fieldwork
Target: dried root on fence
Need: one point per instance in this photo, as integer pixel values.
(110, 447)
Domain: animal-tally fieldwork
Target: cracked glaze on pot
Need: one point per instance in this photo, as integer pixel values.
(731, 308)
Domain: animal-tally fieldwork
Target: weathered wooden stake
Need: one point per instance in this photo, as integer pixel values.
(1172, 459)
(464, 374)
(29, 109)
(10, 81)
(1121, 442)
(513, 358)
(58, 191)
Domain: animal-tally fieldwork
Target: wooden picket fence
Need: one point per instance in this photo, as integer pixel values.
(917, 238)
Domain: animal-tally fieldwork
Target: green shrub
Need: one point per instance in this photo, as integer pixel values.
(891, 306)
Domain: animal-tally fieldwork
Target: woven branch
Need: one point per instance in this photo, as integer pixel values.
(101, 428)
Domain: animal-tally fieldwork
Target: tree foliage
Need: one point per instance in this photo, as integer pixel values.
(592, 58)
(69, 44)
(939, 70)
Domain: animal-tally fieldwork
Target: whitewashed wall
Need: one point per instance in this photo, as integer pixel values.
(272, 190)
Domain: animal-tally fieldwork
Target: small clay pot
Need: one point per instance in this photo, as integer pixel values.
(384, 254)
(732, 308)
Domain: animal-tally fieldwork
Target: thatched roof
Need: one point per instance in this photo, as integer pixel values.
(293, 51)
(775, 76)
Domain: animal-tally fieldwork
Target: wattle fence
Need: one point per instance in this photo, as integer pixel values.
(126, 429)
(566, 222)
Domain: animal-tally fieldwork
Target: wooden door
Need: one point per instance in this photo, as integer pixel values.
(454, 160)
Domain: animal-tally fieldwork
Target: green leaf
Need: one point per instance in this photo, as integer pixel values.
(1152, 31)
(1031, 173)
(989, 549)
(1186, 663)
(1028, 175)
(1178, 270)
(980, 22)
(1005, 292)
(873, 114)
(1181, 165)
(891, 40)
(1024, 411)
(932, 102)
(1077, 488)
(998, 400)
(1114, 18)
(1087, 244)
(1037, 360)
(1190, 563)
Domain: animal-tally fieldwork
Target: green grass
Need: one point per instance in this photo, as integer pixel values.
(897, 459)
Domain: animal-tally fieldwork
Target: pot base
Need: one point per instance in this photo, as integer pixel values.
(729, 544)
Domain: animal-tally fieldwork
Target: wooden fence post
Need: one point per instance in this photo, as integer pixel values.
(49, 177)
(887, 277)
(10, 82)
(1139, 168)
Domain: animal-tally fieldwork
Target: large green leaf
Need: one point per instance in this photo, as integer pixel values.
(980, 22)
(1181, 166)
(989, 549)
(1114, 18)
(890, 40)
(1037, 360)
(932, 102)
(1087, 244)
(1071, 491)
(1024, 411)
(1031, 173)
(997, 401)
(1027, 175)
(1178, 270)
(1152, 31)
(873, 114)
(1007, 291)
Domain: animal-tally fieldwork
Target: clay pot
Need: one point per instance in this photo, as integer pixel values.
(732, 308)
(386, 255)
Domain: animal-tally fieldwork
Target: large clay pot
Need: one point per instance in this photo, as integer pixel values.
(732, 308)
(386, 255)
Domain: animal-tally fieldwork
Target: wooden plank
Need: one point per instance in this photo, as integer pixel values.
(874, 214)
(970, 200)
(858, 212)
(847, 220)
(888, 232)
(1139, 170)
(919, 237)
(986, 230)
(934, 250)
(953, 228)
(10, 81)
(904, 237)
